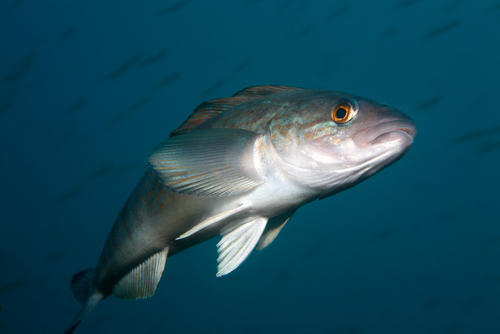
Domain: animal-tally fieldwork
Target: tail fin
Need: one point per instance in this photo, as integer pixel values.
(84, 292)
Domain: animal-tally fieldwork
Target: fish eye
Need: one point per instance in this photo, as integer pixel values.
(343, 112)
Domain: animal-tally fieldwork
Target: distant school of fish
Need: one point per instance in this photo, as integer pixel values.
(239, 168)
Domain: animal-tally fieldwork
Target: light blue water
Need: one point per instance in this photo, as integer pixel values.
(415, 249)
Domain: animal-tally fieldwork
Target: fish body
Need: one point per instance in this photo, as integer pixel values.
(239, 167)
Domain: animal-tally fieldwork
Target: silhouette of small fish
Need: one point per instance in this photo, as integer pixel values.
(284, 5)
(13, 4)
(384, 234)
(215, 86)
(4, 108)
(12, 285)
(242, 66)
(404, 4)
(160, 55)
(174, 7)
(477, 134)
(338, 12)
(489, 147)
(124, 67)
(101, 172)
(493, 8)
(168, 80)
(429, 103)
(67, 33)
(21, 67)
(302, 32)
(76, 106)
(128, 112)
(442, 29)
(388, 33)
(430, 303)
(69, 195)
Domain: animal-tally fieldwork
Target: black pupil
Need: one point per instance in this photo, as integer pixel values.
(341, 113)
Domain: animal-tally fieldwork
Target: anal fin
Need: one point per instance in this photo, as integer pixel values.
(141, 282)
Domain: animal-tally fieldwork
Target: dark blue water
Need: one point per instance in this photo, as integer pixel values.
(88, 89)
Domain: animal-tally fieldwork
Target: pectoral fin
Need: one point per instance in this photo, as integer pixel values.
(273, 228)
(141, 282)
(236, 245)
(215, 162)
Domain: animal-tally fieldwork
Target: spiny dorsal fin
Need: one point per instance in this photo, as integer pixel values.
(141, 282)
(258, 91)
(237, 244)
(209, 110)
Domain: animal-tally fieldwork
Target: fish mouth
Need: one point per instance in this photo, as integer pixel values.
(400, 131)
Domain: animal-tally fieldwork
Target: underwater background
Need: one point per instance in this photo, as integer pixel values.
(89, 88)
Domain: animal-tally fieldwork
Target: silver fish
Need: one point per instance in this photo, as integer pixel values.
(239, 167)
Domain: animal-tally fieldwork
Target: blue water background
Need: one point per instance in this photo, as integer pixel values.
(415, 249)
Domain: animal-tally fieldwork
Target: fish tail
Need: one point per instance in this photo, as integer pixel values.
(84, 292)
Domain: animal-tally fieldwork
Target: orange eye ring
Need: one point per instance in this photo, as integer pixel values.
(342, 113)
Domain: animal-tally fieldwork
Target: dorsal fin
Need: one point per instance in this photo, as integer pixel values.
(208, 110)
(258, 91)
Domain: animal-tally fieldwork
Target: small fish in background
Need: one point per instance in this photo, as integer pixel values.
(452, 5)
(384, 234)
(479, 134)
(5, 107)
(124, 67)
(13, 4)
(68, 134)
(239, 167)
(301, 32)
(218, 84)
(127, 112)
(174, 7)
(387, 33)
(429, 103)
(404, 4)
(430, 303)
(67, 196)
(490, 147)
(12, 285)
(157, 57)
(494, 8)
(442, 29)
(67, 33)
(168, 80)
(456, 328)
(346, 330)
(20, 68)
(101, 172)
(55, 256)
(283, 6)
(338, 12)
(77, 105)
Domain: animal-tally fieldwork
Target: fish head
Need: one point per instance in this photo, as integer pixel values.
(329, 141)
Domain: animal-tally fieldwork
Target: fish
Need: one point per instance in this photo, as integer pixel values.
(174, 7)
(477, 134)
(404, 4)
(160, 55)
(168, 80)
(101, 172)
(429, 103)
(21, 67)
(442, 29)
(493, 8)
(68, 195)
(489, 147)
(338, 12)
(67, 33)
(124, 67)
(239, 167)
(78, 105)
(127, 112)
(387, 33)
(12, 285)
